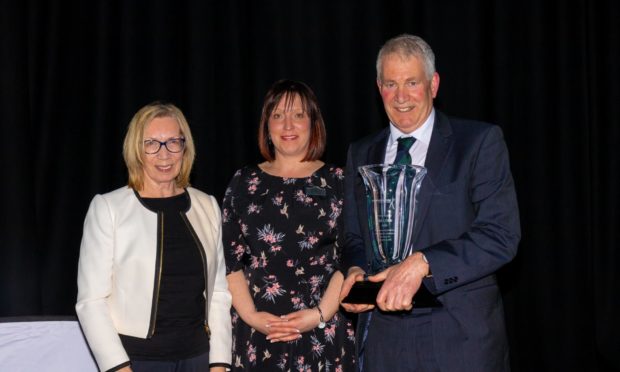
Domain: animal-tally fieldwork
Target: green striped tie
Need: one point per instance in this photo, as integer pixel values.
(402, 152)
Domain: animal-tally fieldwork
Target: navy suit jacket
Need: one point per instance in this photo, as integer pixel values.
(467, 227)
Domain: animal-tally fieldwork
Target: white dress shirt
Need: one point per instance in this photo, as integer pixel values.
(419, 148)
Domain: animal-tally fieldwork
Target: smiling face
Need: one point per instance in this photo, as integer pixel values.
(289, 129)
(162, 168)
(406, 91)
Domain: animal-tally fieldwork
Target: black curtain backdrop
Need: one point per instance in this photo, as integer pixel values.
(73, 73)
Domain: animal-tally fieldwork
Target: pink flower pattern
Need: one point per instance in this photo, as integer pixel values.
(272, 288)
(309, 241)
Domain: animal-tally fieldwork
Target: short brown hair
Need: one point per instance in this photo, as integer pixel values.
(288, 90)
(133, 146)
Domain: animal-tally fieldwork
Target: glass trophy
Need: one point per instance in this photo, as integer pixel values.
(391, 201)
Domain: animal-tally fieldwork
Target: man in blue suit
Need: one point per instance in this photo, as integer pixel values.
(467, 228)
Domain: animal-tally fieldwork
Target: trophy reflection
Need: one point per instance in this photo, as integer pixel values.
(391, 202)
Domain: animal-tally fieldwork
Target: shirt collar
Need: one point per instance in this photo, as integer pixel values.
(422, 134)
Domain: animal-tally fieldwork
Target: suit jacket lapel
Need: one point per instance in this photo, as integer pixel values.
(376, 151)
(438, 150)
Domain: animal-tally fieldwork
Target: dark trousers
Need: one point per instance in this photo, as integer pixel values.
(399, 343)
(198, 363)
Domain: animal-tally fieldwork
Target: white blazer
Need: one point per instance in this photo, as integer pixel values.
(118, 269)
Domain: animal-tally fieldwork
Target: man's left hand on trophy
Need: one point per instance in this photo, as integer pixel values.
(401, 282)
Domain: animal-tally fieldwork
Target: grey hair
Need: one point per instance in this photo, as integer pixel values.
(407, 46)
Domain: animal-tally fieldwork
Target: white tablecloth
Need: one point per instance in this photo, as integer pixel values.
(43, 346)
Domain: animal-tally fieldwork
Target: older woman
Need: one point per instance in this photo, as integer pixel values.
(152, 291)
(281, 226)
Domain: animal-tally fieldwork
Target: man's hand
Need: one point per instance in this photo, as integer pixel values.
(400, 283)
(355, 274)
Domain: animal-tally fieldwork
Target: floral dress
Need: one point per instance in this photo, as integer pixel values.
(284, 232)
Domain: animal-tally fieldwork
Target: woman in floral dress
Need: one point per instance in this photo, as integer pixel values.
(281, 228)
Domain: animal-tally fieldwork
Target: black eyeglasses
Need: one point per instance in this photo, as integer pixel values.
(173, 145)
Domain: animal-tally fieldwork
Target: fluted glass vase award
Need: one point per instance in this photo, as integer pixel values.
(391, 201)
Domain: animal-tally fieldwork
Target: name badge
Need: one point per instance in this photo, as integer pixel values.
(314, 191)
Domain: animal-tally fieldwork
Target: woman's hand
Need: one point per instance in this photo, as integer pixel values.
(294, 325)
(125, 369)
(262, 321)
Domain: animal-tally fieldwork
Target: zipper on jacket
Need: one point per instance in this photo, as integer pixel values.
(158, 268)
(203, 256)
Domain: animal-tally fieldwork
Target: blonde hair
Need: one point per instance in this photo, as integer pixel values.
(133, 146)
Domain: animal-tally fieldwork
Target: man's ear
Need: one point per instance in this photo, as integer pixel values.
(435, 84)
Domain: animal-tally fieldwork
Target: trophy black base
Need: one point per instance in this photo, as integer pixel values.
(366, 293)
